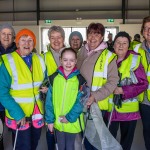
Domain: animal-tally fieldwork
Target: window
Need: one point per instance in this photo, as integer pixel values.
(45, 41)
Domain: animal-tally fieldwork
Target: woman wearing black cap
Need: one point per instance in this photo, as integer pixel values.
(133, 81)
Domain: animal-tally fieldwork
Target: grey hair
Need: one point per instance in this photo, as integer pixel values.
(57, 29)
(8, 26)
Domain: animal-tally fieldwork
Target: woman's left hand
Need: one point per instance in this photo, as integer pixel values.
(43, 89)
(118, 90)
(90, 100)
(63, 119)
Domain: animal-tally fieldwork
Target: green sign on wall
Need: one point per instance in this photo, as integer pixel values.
(110, 20)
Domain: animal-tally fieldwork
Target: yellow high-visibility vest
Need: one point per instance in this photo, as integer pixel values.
(25, 83)
(100, 75)
(51, 65)
(128, 65)
(146, 66)
(63, 100)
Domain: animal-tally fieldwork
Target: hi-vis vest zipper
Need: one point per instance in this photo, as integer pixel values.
(63, 100)
(25, 84)
(127, 67)
(146, 66)
(50, 63)
(100, 75)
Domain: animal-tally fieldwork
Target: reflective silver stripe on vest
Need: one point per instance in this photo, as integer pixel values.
(102, 74)
(134, 60)
(130, 100)
(17, 86)
(98, 74)
(106, 65)
(25, 86)
(26, 99)
(148, 74)
(125, 101)
(13, 68)
(137, 47)
(94, 88)
(42, 63)
(37, 116)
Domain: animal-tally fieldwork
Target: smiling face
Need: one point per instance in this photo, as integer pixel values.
(75, 43)
(94, 40)
(68, 61)
(121, 46)
(6, 37)
(56, 41)
(146, 31)
(25, 45)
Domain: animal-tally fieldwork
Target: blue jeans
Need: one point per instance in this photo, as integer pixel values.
(27, 139)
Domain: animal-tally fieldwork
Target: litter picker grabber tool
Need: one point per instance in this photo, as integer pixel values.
(110, 117)
(117, 100)
(88, 117)
(18, 126)
(55, 137)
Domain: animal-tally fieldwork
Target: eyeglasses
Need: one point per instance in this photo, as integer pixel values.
(24, 41)
(119, 44)
(6, 35)
(146, 29)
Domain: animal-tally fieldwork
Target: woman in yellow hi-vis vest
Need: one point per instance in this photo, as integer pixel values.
(133, 81)
(56, 35)
(22, 73)
(98, 66)
(144, 98)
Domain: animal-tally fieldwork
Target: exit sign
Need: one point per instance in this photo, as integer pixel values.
(48, 21)
(110, 20)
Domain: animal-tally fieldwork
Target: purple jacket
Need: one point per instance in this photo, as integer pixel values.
(131, 91)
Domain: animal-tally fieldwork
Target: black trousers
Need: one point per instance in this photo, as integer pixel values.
(127, 129)
(145, 116)
(2, 117)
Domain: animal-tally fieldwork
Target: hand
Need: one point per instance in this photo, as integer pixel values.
(51, 127)
(117, 99)
(90, 100)
(118, 90)
(63, 119)
(43, 89)
(21, 121)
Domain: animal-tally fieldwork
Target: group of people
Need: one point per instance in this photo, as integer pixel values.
(118, 83)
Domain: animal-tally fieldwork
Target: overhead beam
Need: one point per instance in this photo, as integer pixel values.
(123, 11)
(85, 10)
(37, 11)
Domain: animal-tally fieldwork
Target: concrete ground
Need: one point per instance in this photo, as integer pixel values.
(138, 143)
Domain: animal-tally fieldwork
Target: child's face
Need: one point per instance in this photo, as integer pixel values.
(68, 61)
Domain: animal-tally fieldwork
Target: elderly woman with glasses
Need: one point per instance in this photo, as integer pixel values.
(21, 75)
(133, 81)
(144, 98)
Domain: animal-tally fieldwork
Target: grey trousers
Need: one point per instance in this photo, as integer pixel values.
(65, 140)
